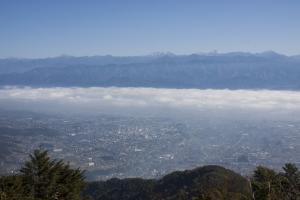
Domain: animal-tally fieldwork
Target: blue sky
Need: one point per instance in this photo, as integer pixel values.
(44, 28)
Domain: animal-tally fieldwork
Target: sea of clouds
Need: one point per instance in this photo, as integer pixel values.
(143, 98)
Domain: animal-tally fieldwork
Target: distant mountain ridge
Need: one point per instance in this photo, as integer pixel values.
(236, 70)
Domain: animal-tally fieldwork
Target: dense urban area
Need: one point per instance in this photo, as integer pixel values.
(122, 146)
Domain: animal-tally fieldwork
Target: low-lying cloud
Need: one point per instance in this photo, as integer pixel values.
(115, 97)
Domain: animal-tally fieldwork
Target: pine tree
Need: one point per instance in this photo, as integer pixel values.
(266, 184)
(290, 182)
(11, 188)
(47, 179)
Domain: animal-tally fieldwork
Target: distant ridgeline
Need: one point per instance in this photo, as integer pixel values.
(42, 178)
(238, 70)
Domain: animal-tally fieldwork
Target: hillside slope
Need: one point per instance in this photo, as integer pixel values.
(209, 182)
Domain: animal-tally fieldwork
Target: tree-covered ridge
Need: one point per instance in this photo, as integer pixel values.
(42, 178)
(209, 182)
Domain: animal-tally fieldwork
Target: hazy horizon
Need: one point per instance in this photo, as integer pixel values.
(157, 53)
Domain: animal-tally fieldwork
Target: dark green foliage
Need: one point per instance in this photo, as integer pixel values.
(11, 188)
(291, 182)
(265, 184)
(270, 185)
(205, 183)
(210, 182)
(42, 178)
(125, 189)
(45, 179)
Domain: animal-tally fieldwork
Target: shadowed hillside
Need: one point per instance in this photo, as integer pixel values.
(209, 182)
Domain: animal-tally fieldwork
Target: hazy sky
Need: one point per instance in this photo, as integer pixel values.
(43, 28)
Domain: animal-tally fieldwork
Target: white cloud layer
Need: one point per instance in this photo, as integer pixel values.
(153, 97)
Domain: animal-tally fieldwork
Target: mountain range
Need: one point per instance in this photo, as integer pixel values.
(236, 70)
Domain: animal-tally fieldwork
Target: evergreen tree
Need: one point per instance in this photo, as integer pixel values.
(11, 188)
(290, 182)
(269, 185)
(47, 179)
(266, 184)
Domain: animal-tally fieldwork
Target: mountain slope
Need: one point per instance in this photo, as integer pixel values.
(209, 182)
(234, 71)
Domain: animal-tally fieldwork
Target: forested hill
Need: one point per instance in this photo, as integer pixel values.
(266, 70)
(43, 178)
(209, 182)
